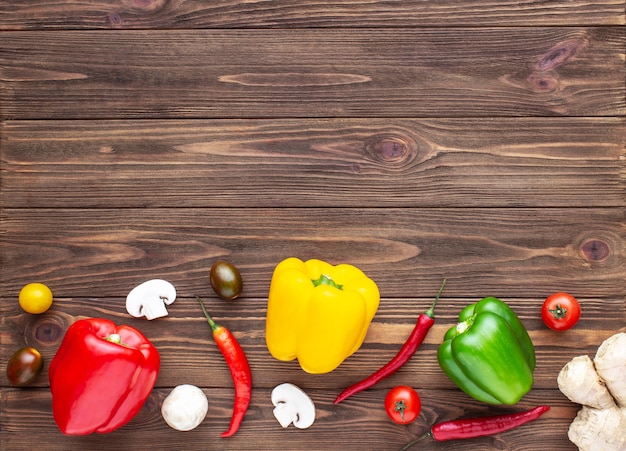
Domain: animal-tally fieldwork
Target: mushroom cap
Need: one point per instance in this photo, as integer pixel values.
(293, 406)
(150, 298)
(185, 407)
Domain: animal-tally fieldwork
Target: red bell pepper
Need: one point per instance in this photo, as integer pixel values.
(101, 376)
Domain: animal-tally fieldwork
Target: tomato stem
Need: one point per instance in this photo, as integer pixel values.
(400, 406)
(559, 312)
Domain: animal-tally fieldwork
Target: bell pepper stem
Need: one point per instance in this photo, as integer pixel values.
(326, 280)
(114, 338)
(212, 323)
(431, 311)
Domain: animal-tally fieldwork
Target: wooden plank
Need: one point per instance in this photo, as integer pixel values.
(434, 72)
(517, 252)
(500, 162)
(41, 15)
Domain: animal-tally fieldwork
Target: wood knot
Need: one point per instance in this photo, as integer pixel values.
(543, 76)
(45, 332)
(115, 19)
(595, 250)
(543, 82)
(391, 149)
(560, 53)
(153, 403)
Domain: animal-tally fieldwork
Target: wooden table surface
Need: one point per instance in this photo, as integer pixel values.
(478, 141)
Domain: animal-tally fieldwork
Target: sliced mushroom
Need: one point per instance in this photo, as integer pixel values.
(150, 298)
(185, 407)
(293, 406)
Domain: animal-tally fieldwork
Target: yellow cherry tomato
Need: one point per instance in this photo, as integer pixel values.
(35, 298)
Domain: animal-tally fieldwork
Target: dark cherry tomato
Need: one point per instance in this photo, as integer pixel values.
(226, 280)
(24, 366)
(403, 404)
(560, 311)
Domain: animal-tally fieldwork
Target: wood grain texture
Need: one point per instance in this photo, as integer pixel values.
(435, 72)
(503, 162)
(478, 141)
(128, 14)
(478, 250)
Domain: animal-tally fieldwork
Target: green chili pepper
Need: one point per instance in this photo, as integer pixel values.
(489, 354)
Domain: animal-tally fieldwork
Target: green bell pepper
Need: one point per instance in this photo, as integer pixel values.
(489, 354)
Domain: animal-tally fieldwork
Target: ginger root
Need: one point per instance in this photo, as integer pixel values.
(600, 386)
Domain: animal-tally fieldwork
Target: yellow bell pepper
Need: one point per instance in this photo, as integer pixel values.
(318, 313)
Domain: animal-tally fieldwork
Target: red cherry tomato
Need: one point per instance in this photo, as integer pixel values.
(403, 404)
(560, 311)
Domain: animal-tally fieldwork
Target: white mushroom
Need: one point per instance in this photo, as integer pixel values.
(185, 407)
(293, 406)
(150, 298)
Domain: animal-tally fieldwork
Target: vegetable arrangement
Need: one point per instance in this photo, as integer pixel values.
(319, 314)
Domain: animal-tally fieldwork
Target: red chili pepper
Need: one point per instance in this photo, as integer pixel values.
(424, 322)
(239, 371)
(479, 427)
